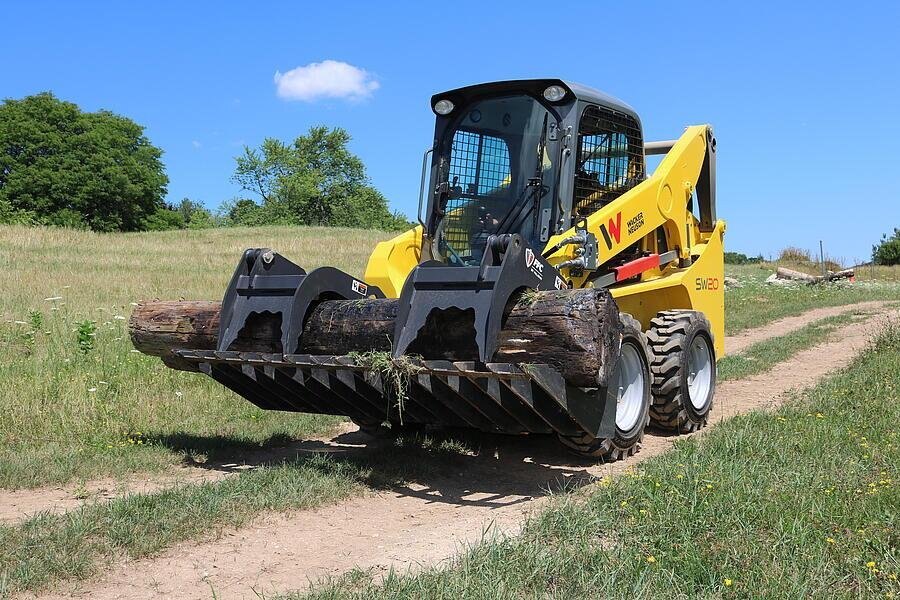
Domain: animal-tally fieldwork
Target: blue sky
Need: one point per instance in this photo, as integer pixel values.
(804, 97)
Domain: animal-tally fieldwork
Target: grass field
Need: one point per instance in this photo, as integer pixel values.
(798, 503)
(78, 403)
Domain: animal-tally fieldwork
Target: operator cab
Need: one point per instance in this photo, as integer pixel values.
(528, 157)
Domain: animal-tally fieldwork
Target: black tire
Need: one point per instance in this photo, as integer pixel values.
(672, 334)
(624, 443)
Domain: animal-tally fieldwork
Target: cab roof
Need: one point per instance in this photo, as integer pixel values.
(464, 95)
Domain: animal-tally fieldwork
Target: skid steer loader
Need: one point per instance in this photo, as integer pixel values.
(529, 186)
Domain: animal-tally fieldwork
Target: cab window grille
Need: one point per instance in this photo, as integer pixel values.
(479, 163)
(610, 158)
(479, 177)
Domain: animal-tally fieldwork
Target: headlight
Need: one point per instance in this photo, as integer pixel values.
(555, 93)
(443, 107)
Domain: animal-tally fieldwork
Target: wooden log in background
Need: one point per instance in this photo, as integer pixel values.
(561, 328)
(790, 274)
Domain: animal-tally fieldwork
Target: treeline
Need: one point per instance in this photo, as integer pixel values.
(64, 167)
(738, 258)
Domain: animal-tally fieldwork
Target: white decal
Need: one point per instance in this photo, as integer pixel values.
(529, 257)
(359, 287)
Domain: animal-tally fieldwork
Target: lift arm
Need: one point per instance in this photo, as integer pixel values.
(659, 201)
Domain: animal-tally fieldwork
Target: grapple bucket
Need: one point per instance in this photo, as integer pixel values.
(476, 393)
(492, 397)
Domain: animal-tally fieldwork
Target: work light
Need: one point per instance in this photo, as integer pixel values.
(554, 93)
(443, 107)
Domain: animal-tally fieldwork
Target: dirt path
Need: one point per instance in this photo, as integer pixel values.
(735, 344)
(20, 504)
(424, 524)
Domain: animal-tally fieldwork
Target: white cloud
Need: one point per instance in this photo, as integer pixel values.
(326, 79)
(196, 144)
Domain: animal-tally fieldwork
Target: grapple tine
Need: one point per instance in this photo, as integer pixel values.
(492, 390)
(452, 400)
(535, 397)
(448, 378)
(239, 384)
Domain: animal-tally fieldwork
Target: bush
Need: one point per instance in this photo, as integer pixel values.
(14, 216)
(887, 251)
(164, 219)
(792, 254)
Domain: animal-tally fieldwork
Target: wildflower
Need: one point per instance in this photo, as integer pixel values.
(179, 394)
(651, 559)
(709, 486)
(119, 318)
(870, 564)
(624, 503)
(679, 476)
(93, 389)
(820, 416)
(830, 540)
(727, 582)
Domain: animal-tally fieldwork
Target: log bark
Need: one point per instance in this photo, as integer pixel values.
(564, 329)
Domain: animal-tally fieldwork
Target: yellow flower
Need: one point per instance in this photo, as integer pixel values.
(679, 476)
(830, 540)
(624, 503)
(728, 582)
(871, 564)
(651, 559)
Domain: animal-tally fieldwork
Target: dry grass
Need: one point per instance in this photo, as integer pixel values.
(77, 402)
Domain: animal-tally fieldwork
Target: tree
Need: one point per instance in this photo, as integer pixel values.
(74, 168)
(887, 251)
(315, 180)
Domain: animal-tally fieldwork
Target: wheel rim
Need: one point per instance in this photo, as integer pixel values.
(699, 377)
(629, 388)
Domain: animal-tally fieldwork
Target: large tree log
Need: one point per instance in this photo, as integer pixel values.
(563, 329)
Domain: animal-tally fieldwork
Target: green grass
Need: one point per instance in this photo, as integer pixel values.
(756, 303)
(52, 548)
(77, 402)
(802, 502)
(762, 356)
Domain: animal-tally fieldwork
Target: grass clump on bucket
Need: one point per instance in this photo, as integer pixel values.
(395, 372)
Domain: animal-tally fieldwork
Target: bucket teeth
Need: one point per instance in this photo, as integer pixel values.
(493, 397)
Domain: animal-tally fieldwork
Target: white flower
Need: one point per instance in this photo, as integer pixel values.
(92, 389)
(119, 317)
(179, 394)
